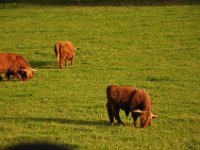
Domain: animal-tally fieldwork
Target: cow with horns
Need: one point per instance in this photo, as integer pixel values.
(16, 65)
(129, 99)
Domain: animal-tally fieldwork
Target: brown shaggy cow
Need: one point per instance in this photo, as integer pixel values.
(64, 51)
(16, 65)
(129, 99)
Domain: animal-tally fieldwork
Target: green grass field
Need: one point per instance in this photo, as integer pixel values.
(156, 48)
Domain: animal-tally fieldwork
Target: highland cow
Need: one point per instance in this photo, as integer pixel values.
(129, 99)
(16, 65)
(64, 51)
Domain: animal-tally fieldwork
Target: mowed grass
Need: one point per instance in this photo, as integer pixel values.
(154, 48)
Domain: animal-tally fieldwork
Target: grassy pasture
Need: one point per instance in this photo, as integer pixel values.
(155, 48)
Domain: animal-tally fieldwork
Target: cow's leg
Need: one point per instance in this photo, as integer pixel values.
(1, 78)
(8, 76)
(61, 60)
(119, 121)
(135, 116)
(110, 113)
(72, 61)
(61, 66)
(18, 76)
(61, 63)
(66, 62)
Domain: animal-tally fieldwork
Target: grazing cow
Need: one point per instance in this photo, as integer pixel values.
(64, 51)
(16, 65)
(129, 99)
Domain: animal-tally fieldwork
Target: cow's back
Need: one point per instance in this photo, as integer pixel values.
(65, 48)
(121, 94)
(70, 50)
(58, 46)
(6, 61)
(22, 62)
(136, 98)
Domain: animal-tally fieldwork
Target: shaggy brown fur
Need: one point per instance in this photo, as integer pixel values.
(16, 65)
(129, 99)
(64, 51)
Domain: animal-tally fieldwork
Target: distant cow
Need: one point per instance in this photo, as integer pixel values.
(16, 65)
(129, 99)
(64, 51)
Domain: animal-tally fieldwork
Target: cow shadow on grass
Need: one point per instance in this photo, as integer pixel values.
(43, 65)
(72, 121)
(41, 145)
(59, 120)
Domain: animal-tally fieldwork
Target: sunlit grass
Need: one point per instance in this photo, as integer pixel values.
(156, 48)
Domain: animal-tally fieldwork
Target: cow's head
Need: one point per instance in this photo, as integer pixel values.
(146, 117)
(27, 73)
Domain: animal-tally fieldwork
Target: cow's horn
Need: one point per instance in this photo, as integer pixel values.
(33, 69)
(137, 111)
(153, 116)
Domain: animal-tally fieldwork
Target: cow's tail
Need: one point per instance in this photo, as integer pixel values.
(56, 48)
(110, 108)
(108, 91)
